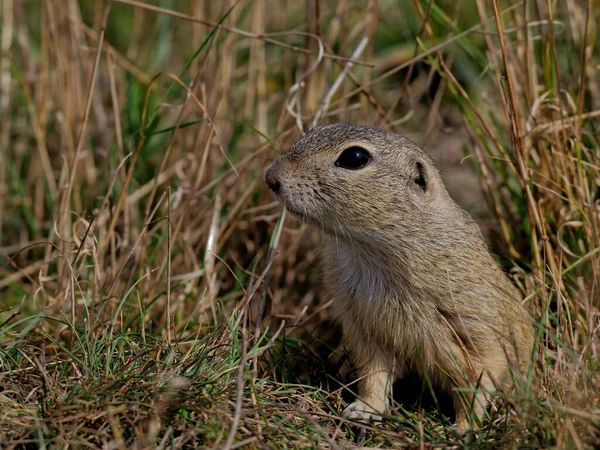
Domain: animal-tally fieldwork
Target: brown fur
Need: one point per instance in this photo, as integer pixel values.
(413, 283)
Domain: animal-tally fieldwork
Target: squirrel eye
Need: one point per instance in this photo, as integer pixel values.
(353, 158)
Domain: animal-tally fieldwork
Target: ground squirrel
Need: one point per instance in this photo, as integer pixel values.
(413, 284)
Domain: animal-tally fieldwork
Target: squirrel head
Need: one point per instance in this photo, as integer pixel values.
(347, 178)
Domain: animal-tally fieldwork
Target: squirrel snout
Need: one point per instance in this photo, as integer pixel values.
(271, 180)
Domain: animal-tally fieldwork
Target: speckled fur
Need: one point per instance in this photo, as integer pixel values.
(413, 283)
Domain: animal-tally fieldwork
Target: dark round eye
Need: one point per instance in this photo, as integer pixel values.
(353, 158)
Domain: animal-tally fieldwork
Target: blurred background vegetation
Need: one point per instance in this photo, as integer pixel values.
(152, 294)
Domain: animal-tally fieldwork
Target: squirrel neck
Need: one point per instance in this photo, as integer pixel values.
(413, 259)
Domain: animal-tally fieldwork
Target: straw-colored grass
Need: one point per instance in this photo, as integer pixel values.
(152, 295)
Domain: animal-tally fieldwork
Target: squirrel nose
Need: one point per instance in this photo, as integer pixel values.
(272, 180)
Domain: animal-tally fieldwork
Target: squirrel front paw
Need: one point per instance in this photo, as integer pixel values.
(361, 411)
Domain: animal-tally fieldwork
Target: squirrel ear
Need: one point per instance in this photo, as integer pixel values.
(421, 178)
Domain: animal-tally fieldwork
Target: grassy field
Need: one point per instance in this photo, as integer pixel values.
(152, 294)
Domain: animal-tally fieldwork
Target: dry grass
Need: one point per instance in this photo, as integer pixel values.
(153, 295)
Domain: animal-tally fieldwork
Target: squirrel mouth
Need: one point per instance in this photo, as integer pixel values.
(305, 218)
(301, 214)
(296, 212)
(286, 203)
